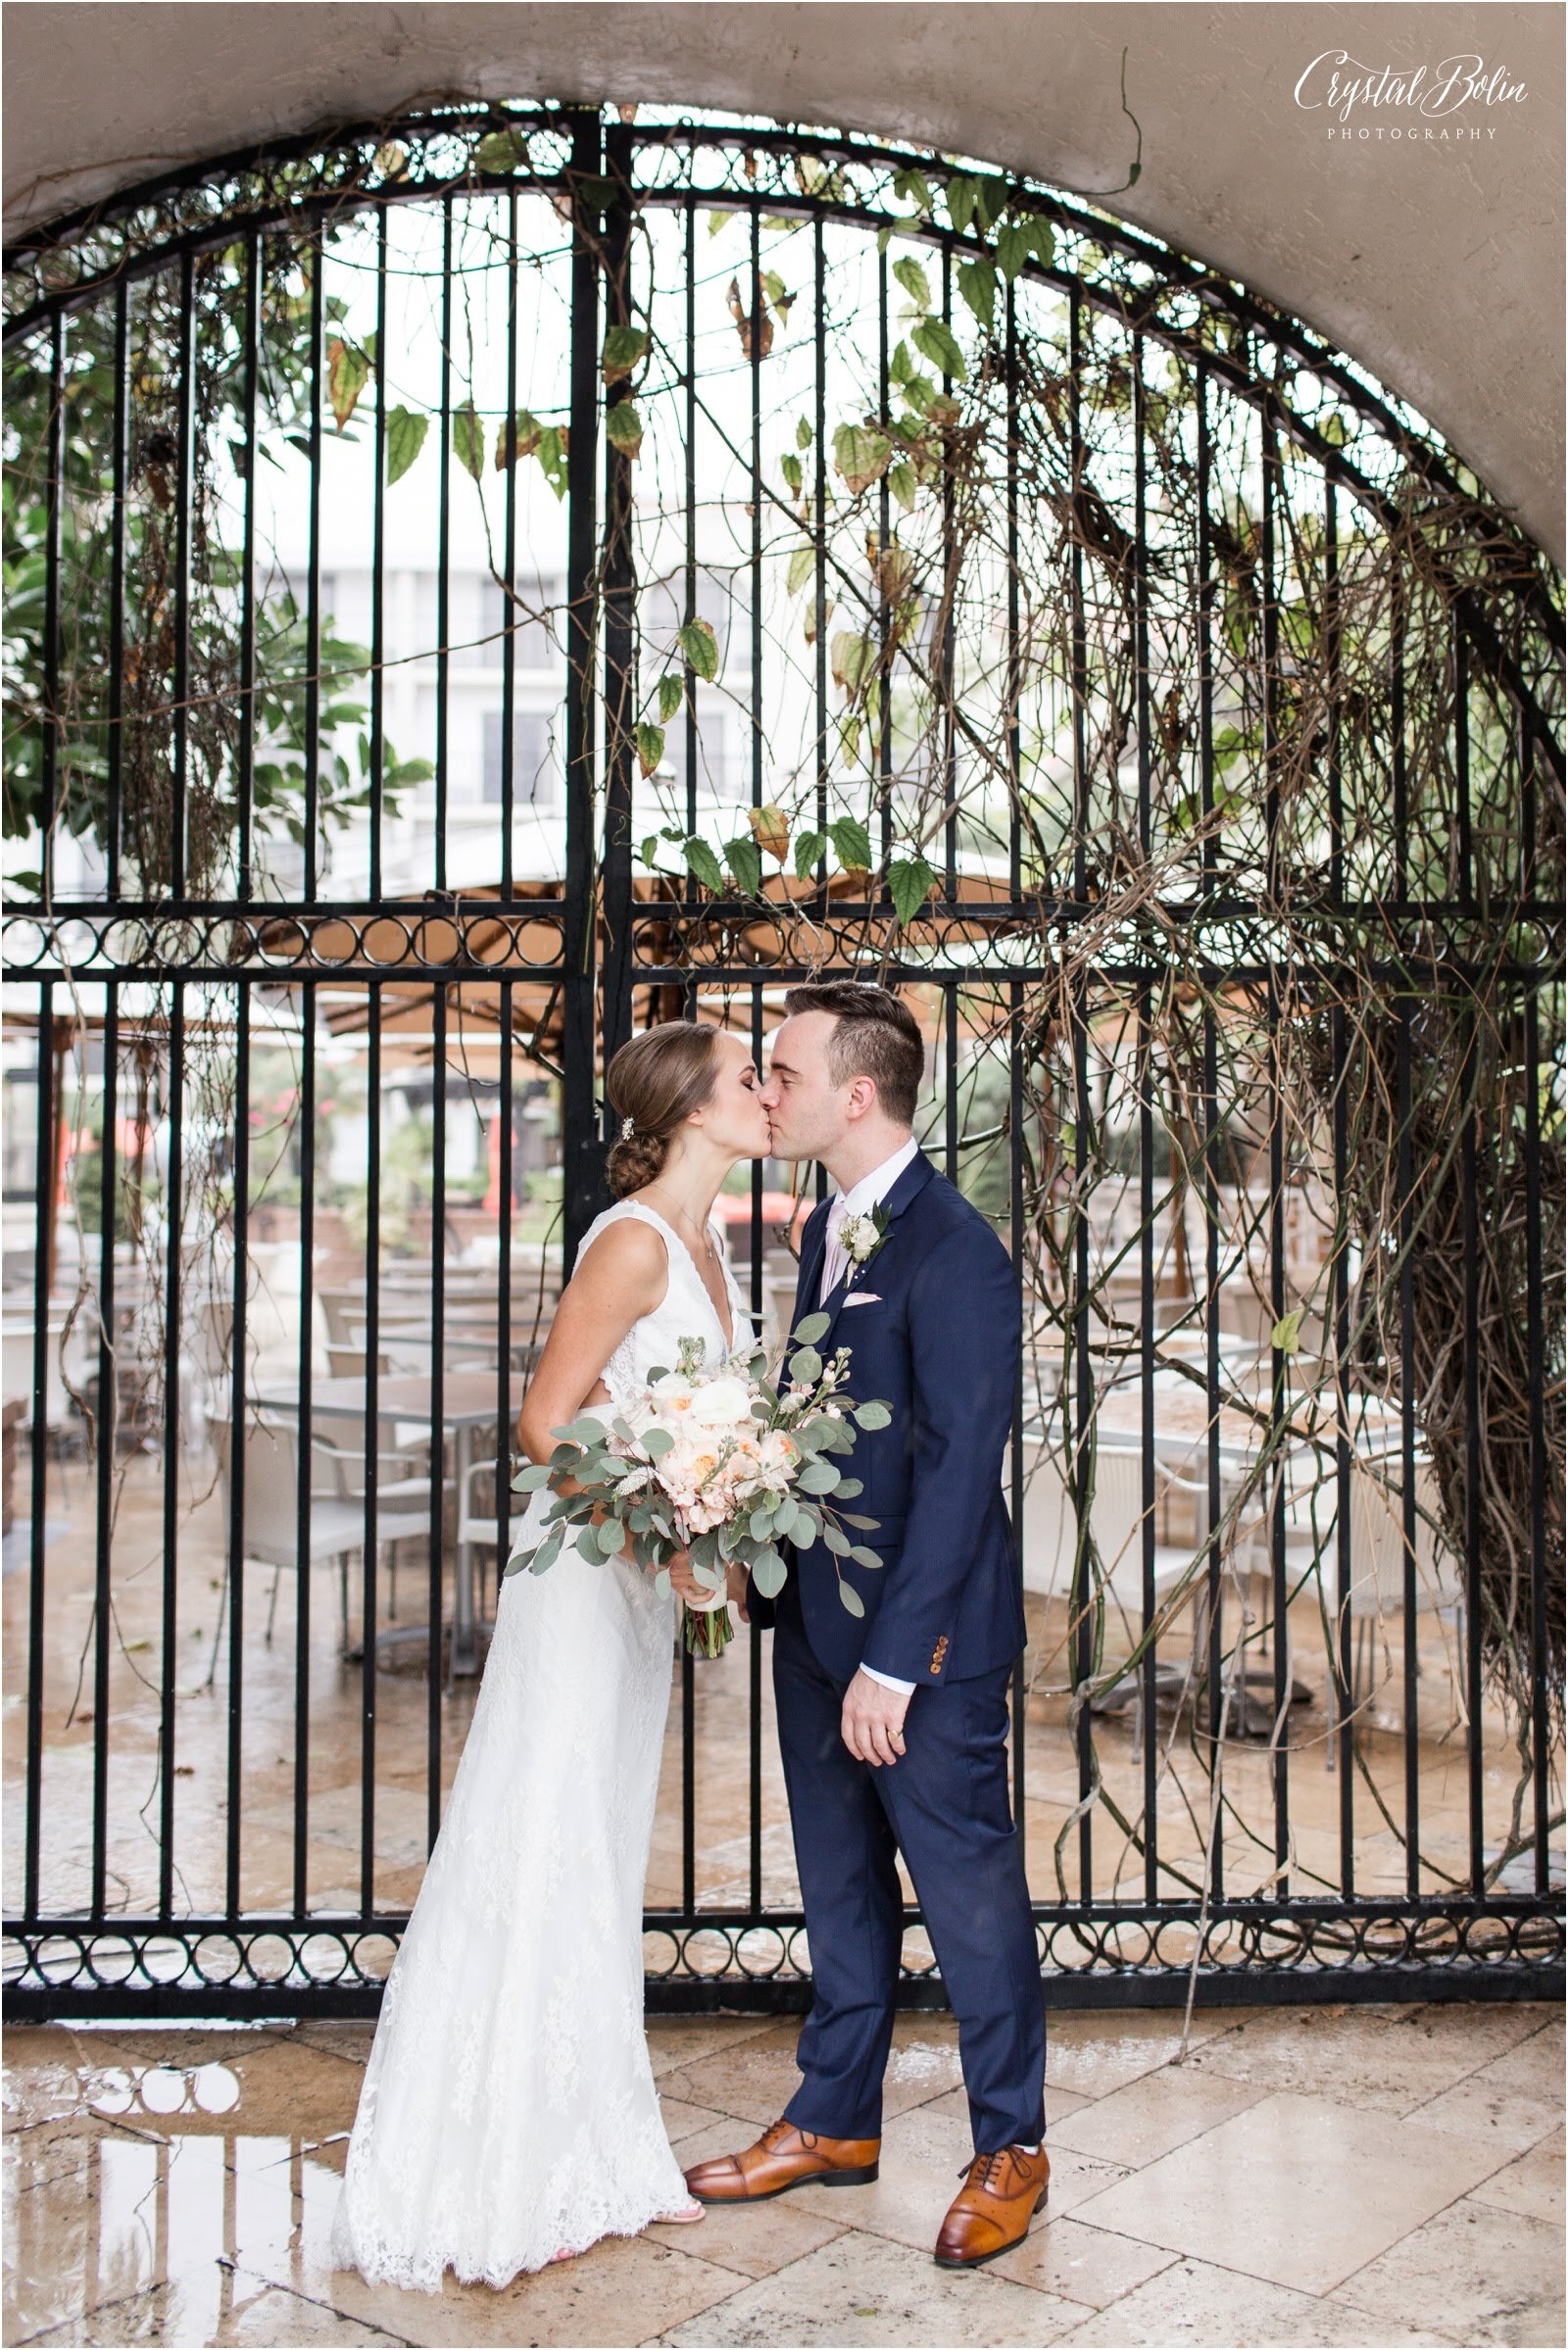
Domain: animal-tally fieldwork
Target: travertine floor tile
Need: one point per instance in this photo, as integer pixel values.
(924, 2155)
(1393, 2058)
(1093, 2053)
(1509, 2104)
(1481, 2274)
(622, 2291)
(268, 2087)
(1299, 2191)
(259, 2315)
(756, 2080)
(1532, 2184)
(352, 2040)
(861, 2290)
(1153, 2115)
(755, 2239)
(43, 2151)
(181, 2184)
(682, 2121)
(83, 2238)
(1059, 2104)
(675, 2041)
(1082, 2264)
(1207, 2306)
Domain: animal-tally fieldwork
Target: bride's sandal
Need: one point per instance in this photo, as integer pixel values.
(693, 2211)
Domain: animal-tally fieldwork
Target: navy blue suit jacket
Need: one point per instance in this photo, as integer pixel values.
(939, 1339)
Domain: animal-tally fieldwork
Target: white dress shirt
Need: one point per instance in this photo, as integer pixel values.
(859, 1201)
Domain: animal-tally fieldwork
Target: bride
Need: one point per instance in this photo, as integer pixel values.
(508, 2116)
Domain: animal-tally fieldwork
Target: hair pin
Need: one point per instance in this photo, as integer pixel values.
(628, 1127)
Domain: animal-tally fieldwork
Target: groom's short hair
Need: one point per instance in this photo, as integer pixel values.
(875, 1035)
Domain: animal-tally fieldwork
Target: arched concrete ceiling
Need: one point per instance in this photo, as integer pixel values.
(1438, 264)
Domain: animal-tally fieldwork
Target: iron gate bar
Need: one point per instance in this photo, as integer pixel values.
(370, 1442)
(581, 1168)
(107, 1417)
(655, 944)
(1540, 1715)
(238, 1357)
(173, 1421)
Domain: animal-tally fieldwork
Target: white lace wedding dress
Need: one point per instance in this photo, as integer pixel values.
(508, 2109)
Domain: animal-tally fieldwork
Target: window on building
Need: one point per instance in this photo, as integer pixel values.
(525, 618)
(534, 762)
(723, 601)
(720, 760)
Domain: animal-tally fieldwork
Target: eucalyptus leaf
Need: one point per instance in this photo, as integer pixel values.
(837, 1542)
(584, 1430)
(863, 1557)
(531, 1479)
(770, 1575)
(817, 1477)
(805, 1365)
(872, 1415)
(813, 1327)
(852, 1598)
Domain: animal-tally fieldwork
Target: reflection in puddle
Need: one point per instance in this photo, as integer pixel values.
(179, 2229)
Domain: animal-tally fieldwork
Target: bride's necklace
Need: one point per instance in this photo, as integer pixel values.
(683, 1226)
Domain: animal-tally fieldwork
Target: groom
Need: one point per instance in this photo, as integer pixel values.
(893, 1713)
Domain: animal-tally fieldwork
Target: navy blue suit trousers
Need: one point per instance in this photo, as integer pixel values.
(945, 1805)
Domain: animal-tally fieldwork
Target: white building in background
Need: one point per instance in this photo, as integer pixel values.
(478, 611)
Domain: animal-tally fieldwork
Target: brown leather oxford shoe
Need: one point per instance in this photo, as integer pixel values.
(993, 2207)
(784, 2157)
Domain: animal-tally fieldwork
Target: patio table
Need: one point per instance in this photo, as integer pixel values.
(467, 1402)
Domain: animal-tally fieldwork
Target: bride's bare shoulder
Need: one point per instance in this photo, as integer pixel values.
(626, 1251)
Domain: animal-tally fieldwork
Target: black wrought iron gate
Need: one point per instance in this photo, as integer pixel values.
(493, 579)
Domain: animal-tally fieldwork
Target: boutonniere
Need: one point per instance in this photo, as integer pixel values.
(861, 1237)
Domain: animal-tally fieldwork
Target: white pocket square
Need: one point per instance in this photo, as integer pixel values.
(863, 1298)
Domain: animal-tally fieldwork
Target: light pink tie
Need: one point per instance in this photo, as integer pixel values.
(833, 1257)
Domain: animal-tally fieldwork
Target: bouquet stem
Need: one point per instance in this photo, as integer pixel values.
(708, 1630)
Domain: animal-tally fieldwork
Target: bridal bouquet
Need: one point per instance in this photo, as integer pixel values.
(723, 1464)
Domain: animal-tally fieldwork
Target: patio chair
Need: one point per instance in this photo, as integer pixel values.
(353, 1362)
(1378, 1554)
(1116, 1522)
(272, 1503)
(401, 1498)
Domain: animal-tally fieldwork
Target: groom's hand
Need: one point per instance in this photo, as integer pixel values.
(873, 1720)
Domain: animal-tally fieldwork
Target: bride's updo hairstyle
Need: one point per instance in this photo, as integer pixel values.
(654, 1083)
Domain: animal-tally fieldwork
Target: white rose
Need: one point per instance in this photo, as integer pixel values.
(722, 1404)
